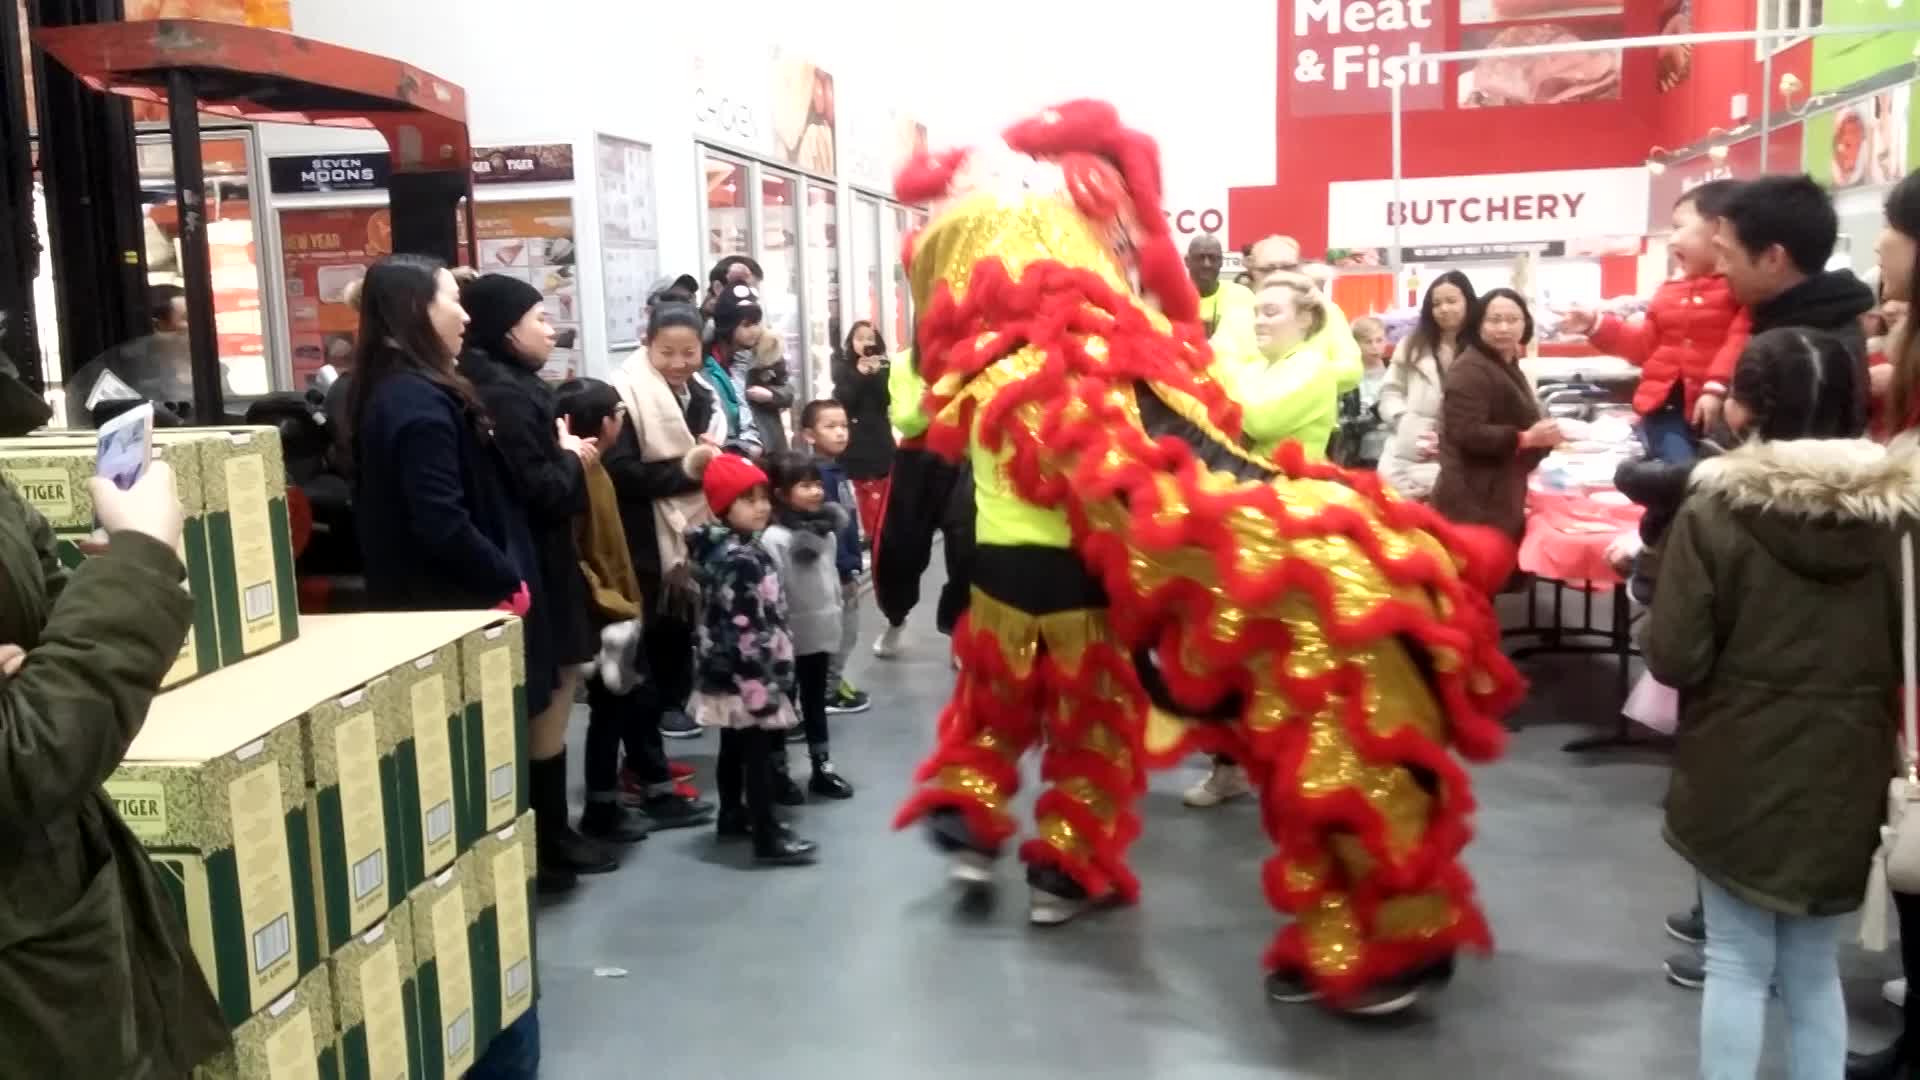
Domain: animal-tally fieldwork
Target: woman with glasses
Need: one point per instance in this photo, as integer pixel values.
(1492, 432)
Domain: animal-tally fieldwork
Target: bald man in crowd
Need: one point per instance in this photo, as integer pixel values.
(1226, 307)
(1277, 253)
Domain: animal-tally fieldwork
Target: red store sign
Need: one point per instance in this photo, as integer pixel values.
(1345, 56)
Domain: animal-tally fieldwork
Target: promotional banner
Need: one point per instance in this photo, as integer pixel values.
(540, 164)
(332, 172)
(1497, 208)
(784, 109)
(1345, 56)
(1555, 79)
(629, 234)
(324, 253)
(1863, 143)
(534, 241)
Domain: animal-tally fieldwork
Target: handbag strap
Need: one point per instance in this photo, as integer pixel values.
(1909, 707)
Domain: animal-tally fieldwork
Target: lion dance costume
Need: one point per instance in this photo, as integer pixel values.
(1145, 587)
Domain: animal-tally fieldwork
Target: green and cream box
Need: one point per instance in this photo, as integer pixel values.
(493, 664)
(218, 797)
(501, 888)
(443, 933)
(432, 763)
(51, 474)
(376, 1010)
(293, 1038)
(352, 745)
(243, 484)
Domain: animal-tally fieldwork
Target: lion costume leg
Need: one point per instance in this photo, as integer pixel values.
(1367, 847)
(1059, 680)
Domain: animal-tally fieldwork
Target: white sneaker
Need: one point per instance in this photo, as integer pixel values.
(1895, 991)
(970, 869)
(1223, 784)
(888, 647)
(1046, 909)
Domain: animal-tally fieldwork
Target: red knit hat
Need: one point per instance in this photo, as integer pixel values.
(728, 477)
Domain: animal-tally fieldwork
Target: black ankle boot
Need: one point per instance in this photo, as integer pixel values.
(827, 783)
(1882, 1065)
(785, 791)
(606, 819)
(556, 844)
(778, 846)
(734, 824)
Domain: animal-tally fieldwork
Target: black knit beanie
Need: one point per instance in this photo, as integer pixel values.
(496, 303)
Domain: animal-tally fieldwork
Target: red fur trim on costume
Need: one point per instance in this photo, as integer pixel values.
(927, 175)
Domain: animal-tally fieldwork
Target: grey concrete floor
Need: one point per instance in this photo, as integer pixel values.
(863, 965)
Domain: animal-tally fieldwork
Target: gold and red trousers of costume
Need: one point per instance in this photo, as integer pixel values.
(1041, 672)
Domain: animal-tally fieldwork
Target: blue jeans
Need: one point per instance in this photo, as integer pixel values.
(1750, 950)
(1668, 434)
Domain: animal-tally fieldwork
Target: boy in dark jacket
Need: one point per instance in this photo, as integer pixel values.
(824, 424)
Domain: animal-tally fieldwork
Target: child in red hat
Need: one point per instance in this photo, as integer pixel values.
(745, 670)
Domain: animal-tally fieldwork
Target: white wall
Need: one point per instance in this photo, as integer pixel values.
(562, 70)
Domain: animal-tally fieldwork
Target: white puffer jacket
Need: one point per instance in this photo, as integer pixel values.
(1410, 409)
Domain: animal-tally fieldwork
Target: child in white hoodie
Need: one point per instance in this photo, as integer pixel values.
(804, 539)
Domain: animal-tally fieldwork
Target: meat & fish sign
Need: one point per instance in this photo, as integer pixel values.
(1495, 208)
(1345, 56)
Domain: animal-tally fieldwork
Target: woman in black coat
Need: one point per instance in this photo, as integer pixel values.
(860, 375)
(507, 343)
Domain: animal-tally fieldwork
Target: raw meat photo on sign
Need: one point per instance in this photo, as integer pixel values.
(1553, 79)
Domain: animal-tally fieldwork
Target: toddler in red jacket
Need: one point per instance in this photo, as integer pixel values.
(1688, 342)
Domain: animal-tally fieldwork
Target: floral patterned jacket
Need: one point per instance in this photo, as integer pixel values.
(745, 646)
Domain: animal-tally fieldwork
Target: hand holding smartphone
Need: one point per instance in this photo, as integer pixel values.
(126, 447)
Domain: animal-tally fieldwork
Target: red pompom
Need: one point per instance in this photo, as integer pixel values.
(927, 175)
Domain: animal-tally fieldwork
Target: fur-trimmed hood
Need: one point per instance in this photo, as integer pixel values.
(1828, 508)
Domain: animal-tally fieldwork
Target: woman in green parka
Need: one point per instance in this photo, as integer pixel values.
(1778, 620)
(96, 976)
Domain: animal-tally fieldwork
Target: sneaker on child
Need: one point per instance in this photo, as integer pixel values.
(888, 647)
(678, 725)
(845, 699)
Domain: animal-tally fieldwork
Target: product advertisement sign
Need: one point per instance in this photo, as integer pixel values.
(534, 241)
(1554, 79)
(1499, 208)
(784, 109)
(629, 234)
(1865, 142)
(324, 253)
(1345, 56)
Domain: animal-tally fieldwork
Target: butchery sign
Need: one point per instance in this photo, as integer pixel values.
(1345, 56)
(1583, 204)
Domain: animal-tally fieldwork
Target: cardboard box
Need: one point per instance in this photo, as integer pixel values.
(443, 931)
(244, 488)
(501, 889)
(432, 764)
(376, 1008)
(291, 1039)
(51, 474)
(493, 664)
(351, 744)
(218, 796)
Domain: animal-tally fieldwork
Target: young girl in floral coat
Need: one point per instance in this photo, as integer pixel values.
(745, 671)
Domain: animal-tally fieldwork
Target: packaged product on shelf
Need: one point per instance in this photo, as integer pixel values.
(493, 663)
(501, 889)
(51, 474)
(443, 931)
(352, 742)
(375, 1002)
(432, 763)
(217, 794)
(244, 485)
(291, 1039)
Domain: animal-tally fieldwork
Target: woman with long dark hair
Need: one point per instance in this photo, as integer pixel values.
(1895, 388)
(1410, 396)
(1492, 433)
(860, 375)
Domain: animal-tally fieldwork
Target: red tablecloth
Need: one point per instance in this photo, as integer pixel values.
(1568, 534)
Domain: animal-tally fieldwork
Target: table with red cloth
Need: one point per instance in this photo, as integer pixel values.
(1565, 547)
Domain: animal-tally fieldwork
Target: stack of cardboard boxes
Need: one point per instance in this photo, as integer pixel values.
(337, 804)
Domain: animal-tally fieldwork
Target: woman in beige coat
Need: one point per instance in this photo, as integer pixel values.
(1410, 396)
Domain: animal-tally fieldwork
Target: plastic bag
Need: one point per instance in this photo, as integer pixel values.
(1653, 705)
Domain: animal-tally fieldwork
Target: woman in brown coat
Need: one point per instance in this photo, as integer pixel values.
(1492, 433)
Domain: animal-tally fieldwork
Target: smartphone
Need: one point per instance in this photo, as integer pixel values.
(126, 446)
